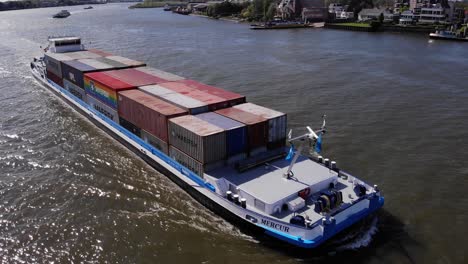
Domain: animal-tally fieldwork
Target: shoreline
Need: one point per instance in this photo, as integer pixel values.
(18, 5)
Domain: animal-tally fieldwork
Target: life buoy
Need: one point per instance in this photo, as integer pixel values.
(304, 193)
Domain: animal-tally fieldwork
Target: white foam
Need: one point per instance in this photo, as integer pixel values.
(363, 240)
(12, 136)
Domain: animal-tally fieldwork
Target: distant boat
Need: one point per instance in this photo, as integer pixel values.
(449, 35)
(89, 7)
(167, 8)
(62, 14)
(181, 10)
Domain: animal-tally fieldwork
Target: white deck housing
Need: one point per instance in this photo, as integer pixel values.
(266, 188)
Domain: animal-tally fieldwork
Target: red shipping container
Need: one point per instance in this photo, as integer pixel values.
(214, 102)
(232, 97)
(257, 126)
(105, 87)
(100, 52)
(135, 77)
(147, 112)
(51, 76)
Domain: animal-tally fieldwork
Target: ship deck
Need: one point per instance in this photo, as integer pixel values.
(308, 211)
(268, 184)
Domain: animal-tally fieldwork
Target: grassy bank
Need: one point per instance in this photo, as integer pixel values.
(353, 24)
(157, 4)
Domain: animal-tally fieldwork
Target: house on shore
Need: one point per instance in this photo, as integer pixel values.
(338, 11)
(306, 10)
(374, 14)
(407, 18)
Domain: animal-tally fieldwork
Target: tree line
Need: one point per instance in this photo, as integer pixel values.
(14, 5)
(257, 10)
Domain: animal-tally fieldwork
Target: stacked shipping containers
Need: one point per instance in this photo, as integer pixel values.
(149, 114)
(196, 144)
(100, 52)
(126, 61)
(257, 127)
(73, 73)
(193, 106)
(225, 127)
(84, 54)
(232, 98)
(136, 77)
(102, 91)
(54, 66)
(161, 74)
(277, 123)
(213, 102)
(236, 134)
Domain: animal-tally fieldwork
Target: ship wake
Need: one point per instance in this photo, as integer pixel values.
(358, 237)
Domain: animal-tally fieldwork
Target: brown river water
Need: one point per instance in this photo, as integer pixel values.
(397, 117)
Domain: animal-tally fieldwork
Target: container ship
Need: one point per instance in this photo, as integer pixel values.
(229, 154)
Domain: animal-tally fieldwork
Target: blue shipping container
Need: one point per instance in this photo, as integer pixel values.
(73, 71)
(236, 132)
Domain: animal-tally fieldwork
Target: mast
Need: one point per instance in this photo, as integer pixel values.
(310, 136)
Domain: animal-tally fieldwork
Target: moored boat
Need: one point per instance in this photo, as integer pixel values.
(62, 14)
(227, 153)
(279, 25)
(181, 10)
(450, 35)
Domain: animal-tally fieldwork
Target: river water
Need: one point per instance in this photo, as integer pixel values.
(397, 117)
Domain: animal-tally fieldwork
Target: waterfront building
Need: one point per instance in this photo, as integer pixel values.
(407, 18)
(338, 11)
(336, 8)
(307, 10)
(431, 15)
(374, 14)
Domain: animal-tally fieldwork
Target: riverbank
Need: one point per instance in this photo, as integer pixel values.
(374, 27)
(18, 5)
(353, 26)
(153, 4)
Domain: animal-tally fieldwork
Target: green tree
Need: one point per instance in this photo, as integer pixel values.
(271, 12)
(260, 10)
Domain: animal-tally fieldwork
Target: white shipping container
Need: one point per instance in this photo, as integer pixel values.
(75, 90)
(193, 106)
(96, 64)
(155, 90)
(126, 61)
(197, 138)
(83, 54)
(53, 64)
(160, 74)
(102, 108)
